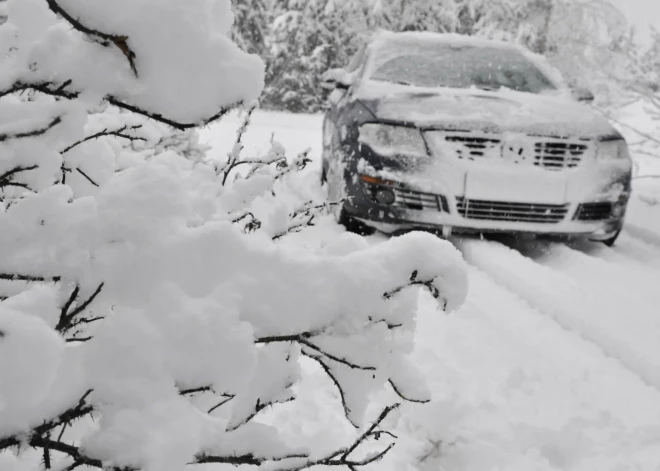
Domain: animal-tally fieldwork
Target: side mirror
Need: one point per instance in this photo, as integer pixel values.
(583, 94)
(336, 79)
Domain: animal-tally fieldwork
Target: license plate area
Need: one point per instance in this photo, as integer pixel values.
(506, 187)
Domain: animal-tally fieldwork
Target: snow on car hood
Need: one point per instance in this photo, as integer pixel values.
(473, 109)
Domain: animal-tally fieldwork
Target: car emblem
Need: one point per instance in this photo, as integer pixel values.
(515, 151)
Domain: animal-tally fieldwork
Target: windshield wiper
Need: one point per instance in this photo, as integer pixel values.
(488, 88)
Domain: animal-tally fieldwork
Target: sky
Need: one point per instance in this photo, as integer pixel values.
(641, 13)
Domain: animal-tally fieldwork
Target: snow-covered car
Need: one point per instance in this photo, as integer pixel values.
(459, 134)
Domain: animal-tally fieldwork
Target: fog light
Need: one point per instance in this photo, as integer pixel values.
(384, 196)
(616, 191)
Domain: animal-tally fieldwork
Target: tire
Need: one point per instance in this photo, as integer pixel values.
(324, 175)
(353, 225)
(610, 242)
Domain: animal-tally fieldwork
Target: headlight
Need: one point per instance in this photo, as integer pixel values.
(613, 150)
(388, 140)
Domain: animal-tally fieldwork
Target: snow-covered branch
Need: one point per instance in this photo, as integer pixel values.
(129, 293)
(120, 41)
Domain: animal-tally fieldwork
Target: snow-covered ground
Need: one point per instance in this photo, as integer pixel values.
(553, 363)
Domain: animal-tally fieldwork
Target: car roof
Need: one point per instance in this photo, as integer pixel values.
(388, 39)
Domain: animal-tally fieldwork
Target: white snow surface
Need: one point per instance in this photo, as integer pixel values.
(551, 364)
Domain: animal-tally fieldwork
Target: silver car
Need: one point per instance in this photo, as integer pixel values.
(458, 134)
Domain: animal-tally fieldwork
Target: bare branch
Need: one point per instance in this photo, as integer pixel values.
(326, 369)
(79, 339)
(29, 278)
(251, 225)
(186, 392)
(89, 179)
(435, 292)
(60, 91)
(33, 133)
(337, 359)
(105, 39)
(238, 460)
(303, 339)
(228, 397)
(402, 395)
(117, 133)
(10, 173)
(162, 119)
(68, 321)
(370, 430)
(47, 88)
(307, 213)
(259, 406)
(297, 165)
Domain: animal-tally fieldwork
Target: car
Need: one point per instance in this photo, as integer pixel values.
(457, 134)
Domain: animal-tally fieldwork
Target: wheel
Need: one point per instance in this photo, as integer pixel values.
(610, 242)
(324, 175)
(353, 225)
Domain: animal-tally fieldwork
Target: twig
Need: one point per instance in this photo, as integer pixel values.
(35, 132)
(175, 124)
(120, 41)
(229, 397)
(371, 429)
(10, 173)
(29, 278)
(186, 392)
(51, 89)
(435, 292)
(117, 133)
(328, 372)
(86, 176)
(65, 322)
(402, 395)
(337, 359)
(248, 459)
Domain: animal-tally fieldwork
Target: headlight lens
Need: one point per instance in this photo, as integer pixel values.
(388, 140)
(613, 150)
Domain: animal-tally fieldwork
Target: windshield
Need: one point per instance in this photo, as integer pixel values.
(463, 67)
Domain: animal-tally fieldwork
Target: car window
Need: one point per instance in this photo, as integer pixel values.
(464, 67)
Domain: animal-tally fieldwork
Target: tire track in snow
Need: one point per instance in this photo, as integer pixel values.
(643, 234)
(636, 249)
(575, 307)
(598, 267)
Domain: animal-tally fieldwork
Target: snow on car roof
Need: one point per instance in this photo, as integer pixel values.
(388, 38)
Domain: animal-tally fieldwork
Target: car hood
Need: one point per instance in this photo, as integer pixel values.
(499, 112)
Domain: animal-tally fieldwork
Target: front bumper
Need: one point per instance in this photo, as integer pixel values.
(596, 219)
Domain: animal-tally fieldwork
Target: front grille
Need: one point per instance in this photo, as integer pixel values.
(594, 212)
(514, 212)
(557, 155)
(471, 147)
(549, 153)
(409, 199)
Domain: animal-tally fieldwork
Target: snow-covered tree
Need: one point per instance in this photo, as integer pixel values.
(251, 23)
(307, 38)
(148, 311)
